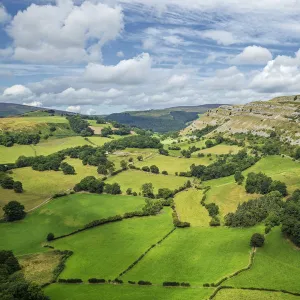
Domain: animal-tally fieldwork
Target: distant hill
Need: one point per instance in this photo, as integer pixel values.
(281, 114)
(162, 120)
(12, 109)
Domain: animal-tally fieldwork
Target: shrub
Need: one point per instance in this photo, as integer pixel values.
(119, 281)
(95, 280)
(140, 158)
(142, 282)
(50, 237)
(70, 280)
(67, 169)
(18, 187)
(257, 240)
(213, 209)
(215, 221)
(129, 191)
(164, 172)
(154, 169)
(131, 282)
(185, 284)
(145, 169)
(171, 283)
(113, 189)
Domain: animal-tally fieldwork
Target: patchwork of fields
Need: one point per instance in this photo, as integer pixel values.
(145, 247)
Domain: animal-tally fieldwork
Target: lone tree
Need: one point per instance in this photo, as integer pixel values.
(50, 237)
(147, 190)
(18, 187)
(124, 165)
(13, 211)
(257, 240)
(154, 169)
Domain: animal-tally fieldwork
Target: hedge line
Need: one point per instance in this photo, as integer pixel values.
(65, 255)
(142, 256)
(176, 221)
(96, 280)
(70, 280)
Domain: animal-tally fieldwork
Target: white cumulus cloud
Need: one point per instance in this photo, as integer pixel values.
(74, 109)
(17, 90)
(253, 55)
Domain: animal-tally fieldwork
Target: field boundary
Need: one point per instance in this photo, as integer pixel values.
(144, 254)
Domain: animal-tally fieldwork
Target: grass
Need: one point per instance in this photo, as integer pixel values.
(61, 216)
(279, 168)
(222, 149)
(38, 268)
(189, 209)
(172, 164)
(11, 154)
(252, 295)
(276, 265)
(195, 255)
(39, 186)
(124, 292)
(135, 179)
(106, 251)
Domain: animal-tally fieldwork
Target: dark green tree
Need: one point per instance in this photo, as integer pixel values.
(18, 187)
(13, 211)
(257, 240)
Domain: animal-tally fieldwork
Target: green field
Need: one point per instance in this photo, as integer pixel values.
(106, 251)
(195, 255)
(276, 266)
(11, 154)
(252, 295)
(40, 186)
(124, 292)
(221, 149)
(173, 164)
(135, 179)
(189, 209)
(61, 216)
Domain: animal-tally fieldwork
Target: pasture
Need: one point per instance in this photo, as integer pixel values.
(276, 266)
(195, 255)
(221, 149)
(61, 216)
(135, 179)
(229, 294)
(39, 186)
(124, 292)
(112, 247)
(189, 209)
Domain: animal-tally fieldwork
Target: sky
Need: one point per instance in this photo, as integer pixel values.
(105, 56)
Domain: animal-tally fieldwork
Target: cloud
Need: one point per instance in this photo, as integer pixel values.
(220, 36)
(252, 55)
(4, 16)
(34, 103)
(17, 90)
(120, 54)
(74, 109)
(64, 32)
(131, 71)
(91, 111)
(177, 81)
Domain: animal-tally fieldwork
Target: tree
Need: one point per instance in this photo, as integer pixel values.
(102, 170)
(239, 177)
(209, 143)
(106, 131)
(18, 187)
(140, 158)
(129, 191)
(163, 151)
(50, 237)
(297, 153)
(280, 187)
(154, 169)
(164, 193)
(213, 209)
(124, 165)
(7, 183)
(146, 169)
(257, 240)
(14, 211)
(130, 159)
(147, 190)
(67, 169)
(113, 189)
(164, 172)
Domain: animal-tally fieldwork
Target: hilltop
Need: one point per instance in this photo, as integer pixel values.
(281, 114)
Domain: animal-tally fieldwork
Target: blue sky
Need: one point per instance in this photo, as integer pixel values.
(108, 56)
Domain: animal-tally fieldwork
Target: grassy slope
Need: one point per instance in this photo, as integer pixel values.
(112, 247)
(38, 268)
(195, 255)
(189, 209)
(252, 295)
(135, 179)
(39, 186)
(221, 149)
(124, 292)
(276, 265)
(10, 155)
(61, 216)
(173, 164)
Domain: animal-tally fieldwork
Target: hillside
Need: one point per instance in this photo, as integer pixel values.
(163, 120)
(280, 114)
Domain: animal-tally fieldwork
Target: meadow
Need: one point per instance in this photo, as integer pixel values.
(195, 255)
(40, 186)
(112, 247)
(124, 292)
(60, 216)
(135, 179)
(276, 266)
(189, 209)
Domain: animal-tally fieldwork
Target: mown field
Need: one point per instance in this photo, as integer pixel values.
(189, 209)
(276, 266)
(60, 216)
(203, 255)
(124, 292)
(135, 179)
(112, 247)
(40, 186)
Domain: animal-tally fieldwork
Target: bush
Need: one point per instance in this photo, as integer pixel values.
(215, 221)
(90, 184)
(18, 187)
(142, 282)
(70, 280)
(131, 282)
(257, 240)
(164, 172)
(171, 283)
(129, 191)
(213, 209)
(113, 189)
(50, 237)
(95, 280)
(67, 169)
(154, 169)
(185, 284)
(145, 169)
